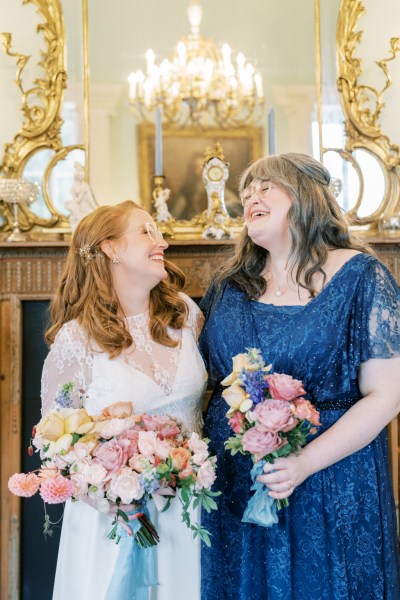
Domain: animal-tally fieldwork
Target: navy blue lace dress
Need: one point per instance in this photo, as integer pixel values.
(337, 539)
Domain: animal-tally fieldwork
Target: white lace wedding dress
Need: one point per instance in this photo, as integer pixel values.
(156, 379)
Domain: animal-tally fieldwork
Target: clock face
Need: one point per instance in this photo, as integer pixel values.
(215, 173)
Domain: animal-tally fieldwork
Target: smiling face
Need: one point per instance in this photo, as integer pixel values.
(265, 212)
(140, 251)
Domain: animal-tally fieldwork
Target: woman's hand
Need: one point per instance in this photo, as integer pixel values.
(284, 475)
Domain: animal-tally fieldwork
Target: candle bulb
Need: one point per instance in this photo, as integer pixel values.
(158, 156)
(271, 132)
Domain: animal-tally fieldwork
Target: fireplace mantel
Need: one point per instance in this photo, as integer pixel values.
(29, 271)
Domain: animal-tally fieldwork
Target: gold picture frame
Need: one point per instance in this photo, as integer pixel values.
(183, 153)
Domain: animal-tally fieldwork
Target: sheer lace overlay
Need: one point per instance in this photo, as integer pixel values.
(152, 376)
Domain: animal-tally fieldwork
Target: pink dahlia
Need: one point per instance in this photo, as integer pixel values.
(56, 490)
(22, 484)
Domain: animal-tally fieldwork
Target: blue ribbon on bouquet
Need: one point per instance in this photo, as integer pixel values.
(135, 569)
(261, 508)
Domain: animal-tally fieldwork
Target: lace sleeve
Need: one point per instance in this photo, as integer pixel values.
(69, 360)
(379, 314)
(195, 317)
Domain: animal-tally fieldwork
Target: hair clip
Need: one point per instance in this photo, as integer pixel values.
(86, 252)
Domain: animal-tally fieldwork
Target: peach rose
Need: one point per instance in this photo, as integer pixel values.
(304, 410)
(284, 387)
(118, 410)
(180, 458)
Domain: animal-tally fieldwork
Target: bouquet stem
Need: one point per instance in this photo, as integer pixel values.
(145, 536)
(282, 503)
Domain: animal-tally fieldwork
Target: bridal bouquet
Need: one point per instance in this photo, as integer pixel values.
(270, 419)
(119, 458)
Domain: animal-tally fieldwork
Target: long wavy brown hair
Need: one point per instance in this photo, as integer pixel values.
(316, 224)
(86, 293)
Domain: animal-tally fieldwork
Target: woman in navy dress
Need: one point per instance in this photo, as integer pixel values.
(321, 308)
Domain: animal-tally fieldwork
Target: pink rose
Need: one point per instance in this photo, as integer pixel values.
(275, 415)
(304, 410)
(284, 387)
(237, 422)
(132, 438)
(112, 455)
(205, 476)
(163, 425)
(261, 443)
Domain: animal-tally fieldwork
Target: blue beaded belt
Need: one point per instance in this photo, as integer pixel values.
(339, 403)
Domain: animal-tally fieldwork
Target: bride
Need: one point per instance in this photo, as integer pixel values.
(122, 331)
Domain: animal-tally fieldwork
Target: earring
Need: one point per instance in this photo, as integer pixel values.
(115, 260)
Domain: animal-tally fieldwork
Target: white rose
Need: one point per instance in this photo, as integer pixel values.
(96, 474)
(126, 486)
(80, 485)
(199, 449)
(147, 443)
(113, 427)
(205, 476)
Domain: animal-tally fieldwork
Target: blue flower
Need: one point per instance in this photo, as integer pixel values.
(255, 385)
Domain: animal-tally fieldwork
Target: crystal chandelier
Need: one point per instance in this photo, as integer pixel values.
(199, 86)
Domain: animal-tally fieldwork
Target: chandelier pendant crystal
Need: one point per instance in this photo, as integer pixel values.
(199, 86)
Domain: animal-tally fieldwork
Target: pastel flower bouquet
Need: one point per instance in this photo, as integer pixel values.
(120, 458)
(270, 419)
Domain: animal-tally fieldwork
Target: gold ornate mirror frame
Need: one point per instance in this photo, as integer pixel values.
(362, 105)
(41, 107)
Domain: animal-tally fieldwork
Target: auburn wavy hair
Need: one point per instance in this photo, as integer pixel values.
(86, 293)
(316, 224)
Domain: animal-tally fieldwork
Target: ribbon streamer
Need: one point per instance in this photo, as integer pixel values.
(135, 569)
(261, 508)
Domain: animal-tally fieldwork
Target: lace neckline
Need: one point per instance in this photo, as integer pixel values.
(336, 275)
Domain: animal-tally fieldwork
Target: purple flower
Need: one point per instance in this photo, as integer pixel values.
(255, 384)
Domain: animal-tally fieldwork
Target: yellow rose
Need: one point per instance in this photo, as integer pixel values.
(63, 443)
(50, 427)
(79, 422)
(241, 361)
(234, 395)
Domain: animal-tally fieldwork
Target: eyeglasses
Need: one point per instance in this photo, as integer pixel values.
(262, 188)
(153, 232)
